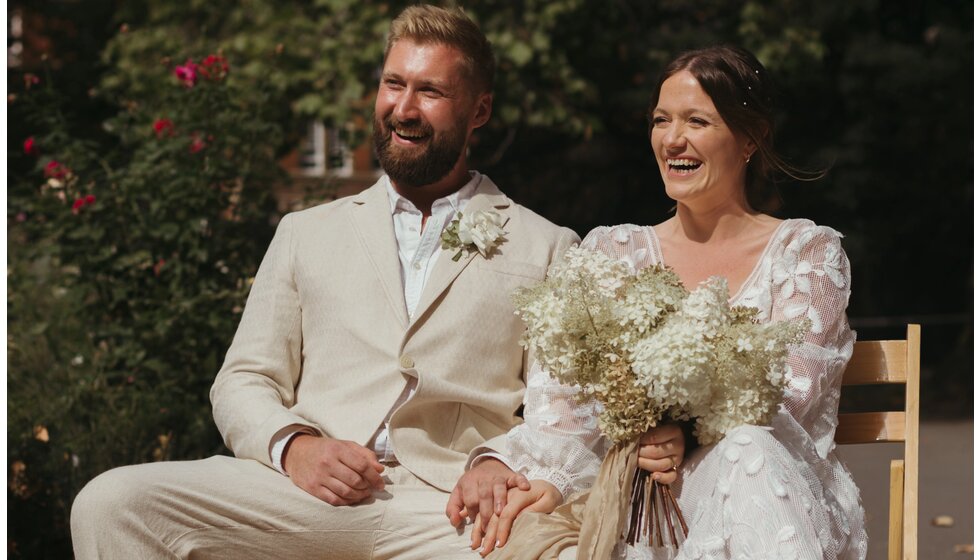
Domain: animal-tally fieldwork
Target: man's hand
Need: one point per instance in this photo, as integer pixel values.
(661, 451)
(542, 497)
(338, 472)
(483, 491)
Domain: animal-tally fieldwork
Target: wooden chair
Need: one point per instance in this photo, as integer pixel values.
(877, 362)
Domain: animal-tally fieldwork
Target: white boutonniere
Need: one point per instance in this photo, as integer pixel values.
(476, 232)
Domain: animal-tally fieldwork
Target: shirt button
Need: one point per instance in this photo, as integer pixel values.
(417, 266)
(406, 362)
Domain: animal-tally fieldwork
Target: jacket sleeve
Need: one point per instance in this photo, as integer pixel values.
(255, 387)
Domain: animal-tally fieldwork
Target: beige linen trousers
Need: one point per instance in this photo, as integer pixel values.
(326, 344)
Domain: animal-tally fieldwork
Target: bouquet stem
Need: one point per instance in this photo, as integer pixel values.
(653, 506)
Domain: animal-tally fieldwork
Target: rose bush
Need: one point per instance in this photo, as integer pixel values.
(128, 266)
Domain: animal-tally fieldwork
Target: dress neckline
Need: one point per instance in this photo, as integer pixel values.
(756, 270)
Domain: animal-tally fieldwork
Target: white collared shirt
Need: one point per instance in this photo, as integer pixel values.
(418, 250)
(418, 247)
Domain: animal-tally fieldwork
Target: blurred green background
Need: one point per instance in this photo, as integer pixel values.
(130, 256)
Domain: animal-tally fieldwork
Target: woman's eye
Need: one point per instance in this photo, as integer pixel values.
(698, 121)
(659, 121)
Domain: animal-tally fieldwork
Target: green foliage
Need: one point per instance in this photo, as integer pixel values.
(127, 274)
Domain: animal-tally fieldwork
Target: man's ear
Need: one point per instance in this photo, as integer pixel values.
(482, 110)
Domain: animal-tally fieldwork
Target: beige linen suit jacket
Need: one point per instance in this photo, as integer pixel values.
(326, 342)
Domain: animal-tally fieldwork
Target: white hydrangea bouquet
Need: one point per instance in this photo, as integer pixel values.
(649, 351)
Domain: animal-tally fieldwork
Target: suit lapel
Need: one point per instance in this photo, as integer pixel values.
(487, 198)
(370, 216)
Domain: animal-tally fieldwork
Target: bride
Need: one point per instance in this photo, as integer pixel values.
(762, 492)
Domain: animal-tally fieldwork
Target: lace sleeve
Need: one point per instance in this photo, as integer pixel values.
(559, 441)
(812, 279)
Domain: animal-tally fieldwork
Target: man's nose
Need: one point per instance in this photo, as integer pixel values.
(406, 106)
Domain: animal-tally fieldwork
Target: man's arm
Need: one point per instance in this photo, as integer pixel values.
(482, 491)
(255, 387)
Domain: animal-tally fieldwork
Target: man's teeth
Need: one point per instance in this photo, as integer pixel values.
(408, 134)
(679, 164)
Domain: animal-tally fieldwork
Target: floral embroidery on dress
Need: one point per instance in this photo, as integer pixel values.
(777, 492)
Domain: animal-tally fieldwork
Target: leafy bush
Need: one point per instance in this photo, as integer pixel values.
(127, 272)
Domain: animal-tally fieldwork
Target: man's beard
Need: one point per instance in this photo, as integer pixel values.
(429, 166)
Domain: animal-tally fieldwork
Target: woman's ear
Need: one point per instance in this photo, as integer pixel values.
(749, 150)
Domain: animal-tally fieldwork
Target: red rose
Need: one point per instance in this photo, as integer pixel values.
(163, 127)
(30, 147)
(55, 170)
(187, 73)
(89, 199)
(77, 206)
(214, 67)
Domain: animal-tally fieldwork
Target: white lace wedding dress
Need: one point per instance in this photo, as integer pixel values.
(777, 492)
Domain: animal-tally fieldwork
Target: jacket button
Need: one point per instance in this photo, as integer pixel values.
(406, 362)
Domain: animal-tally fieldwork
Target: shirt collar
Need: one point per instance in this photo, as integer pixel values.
(456, 200)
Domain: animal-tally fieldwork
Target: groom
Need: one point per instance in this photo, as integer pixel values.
(369, 363)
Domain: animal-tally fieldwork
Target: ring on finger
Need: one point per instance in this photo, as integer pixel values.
(673, 464)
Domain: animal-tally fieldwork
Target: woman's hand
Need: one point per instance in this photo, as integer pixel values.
(662, 451)
(543, 497)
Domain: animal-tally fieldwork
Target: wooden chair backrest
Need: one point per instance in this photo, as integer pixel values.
(877, 362)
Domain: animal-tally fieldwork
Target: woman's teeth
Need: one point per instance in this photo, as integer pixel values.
(684, 165)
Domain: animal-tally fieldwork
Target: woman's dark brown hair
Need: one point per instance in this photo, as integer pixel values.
(742, 92)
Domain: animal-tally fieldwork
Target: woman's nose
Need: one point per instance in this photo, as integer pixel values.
(674, 137)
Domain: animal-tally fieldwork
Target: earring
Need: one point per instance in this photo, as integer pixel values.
(748, 158)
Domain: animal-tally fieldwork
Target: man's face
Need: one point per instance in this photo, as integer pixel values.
(424, 113)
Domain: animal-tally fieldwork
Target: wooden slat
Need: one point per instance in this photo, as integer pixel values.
(891, 361)
(910, 542)
(895, 517)
(877, 361)
(871, 427)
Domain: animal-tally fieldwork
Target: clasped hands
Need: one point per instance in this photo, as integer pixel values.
(491, 495)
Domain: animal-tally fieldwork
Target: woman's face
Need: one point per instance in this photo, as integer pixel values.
(701, 160)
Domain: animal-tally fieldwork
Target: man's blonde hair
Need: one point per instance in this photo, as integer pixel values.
(452, 27)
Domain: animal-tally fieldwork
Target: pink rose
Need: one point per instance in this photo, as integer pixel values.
(197, 143)
(187, 73)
